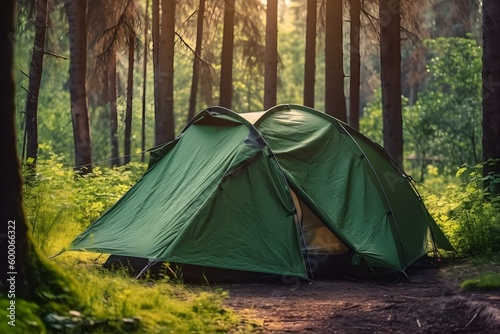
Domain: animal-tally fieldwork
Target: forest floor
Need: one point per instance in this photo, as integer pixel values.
(430, 302)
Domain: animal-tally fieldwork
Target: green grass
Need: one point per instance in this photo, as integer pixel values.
(484, 282)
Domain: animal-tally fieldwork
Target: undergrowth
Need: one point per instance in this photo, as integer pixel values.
(484, 281)
(470, 217)
(466, 213)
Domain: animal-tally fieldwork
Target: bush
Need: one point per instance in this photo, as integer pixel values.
(60, 204)
(468, 214)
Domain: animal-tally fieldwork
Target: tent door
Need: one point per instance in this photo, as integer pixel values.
(318, 239)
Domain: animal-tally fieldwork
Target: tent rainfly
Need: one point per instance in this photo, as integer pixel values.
(273, 192)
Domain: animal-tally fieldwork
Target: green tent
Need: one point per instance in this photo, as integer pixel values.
(268, 192)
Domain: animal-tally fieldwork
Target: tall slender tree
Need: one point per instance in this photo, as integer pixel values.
(390, 68)
(310, 54)
(144, 77)
(155, 29)
(335, 104)
(271, 54)
(164, 108)
(491, 92)
(226, 71)
(76, 11)
(130, 95)
(112, 93)
(35, 78)
(196, 59)
(355, 64)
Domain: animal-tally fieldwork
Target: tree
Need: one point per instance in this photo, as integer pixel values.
(164, 85)
(334, 61)
(196, 59)
(310, 54)
(155, 34)
(354, 78)
(35, 78)
(113, 109)
(130, 95)
(226, 70)
(271, 54)
(33, 276)
(11, 189)
(390, 73)
(491, 93)
(144, 81)
(76, 11)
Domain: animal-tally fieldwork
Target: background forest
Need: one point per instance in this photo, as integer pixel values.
(440, 79)
(98, 82)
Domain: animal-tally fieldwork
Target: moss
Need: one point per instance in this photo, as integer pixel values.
(55, 290)
(27, 317)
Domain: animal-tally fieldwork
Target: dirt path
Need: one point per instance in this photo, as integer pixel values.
(430, 303)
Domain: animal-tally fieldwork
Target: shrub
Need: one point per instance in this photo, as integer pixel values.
(60, 204)
(468, 214)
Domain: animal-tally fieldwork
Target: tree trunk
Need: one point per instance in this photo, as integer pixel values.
(354, 84)
(130, 95)
(491, 92)
(334, 77)
(310, 57)
(36, 70)
(155, 8)
(196, 60)
(11, 189)
(24, 275)
(144, 80)
(164, 113)
(390, 68)
(226, 70)
(76, 11)
(271, 55)
(113, 110)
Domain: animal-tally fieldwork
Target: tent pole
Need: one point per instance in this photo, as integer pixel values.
(149, 265)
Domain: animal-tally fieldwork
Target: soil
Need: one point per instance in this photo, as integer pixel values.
(430, 301)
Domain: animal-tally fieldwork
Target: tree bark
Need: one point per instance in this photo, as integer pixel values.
(164, 111)
(271, 55)
(354, 84)
(390, 68)
(226, 70)
(10, 176)
(196, 60)
(144, 82)
(35, 79)
(310, 56)
(24, 275)
(130, 95)
(334, 77)
(76, 12)
(113, 110)
(155, 8)
(491, 93)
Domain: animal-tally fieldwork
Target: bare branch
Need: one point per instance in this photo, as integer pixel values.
(26, 74)
(190, 48)
(54, 55)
